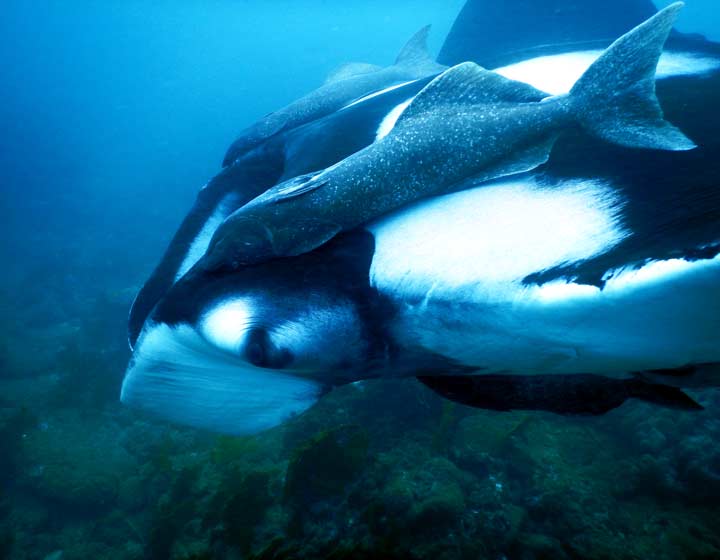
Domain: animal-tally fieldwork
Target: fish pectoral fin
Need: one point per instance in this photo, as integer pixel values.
(306, 235)
(350, 70)
(470, 84)
(697, 376)
(520, 162)
(246, 240)
(296, 187)
(571, 394)
(242, 239)
(662, 395)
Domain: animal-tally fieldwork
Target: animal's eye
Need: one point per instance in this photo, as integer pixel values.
(255, 349)
(260, 351)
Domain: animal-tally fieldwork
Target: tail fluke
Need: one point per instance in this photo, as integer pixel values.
(615, 99)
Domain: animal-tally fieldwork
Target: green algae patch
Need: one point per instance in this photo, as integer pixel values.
(12, 429)
(230, 449)
(7, 540)
(246, 508)
(440, 508)
(74, 468)
(326, 464)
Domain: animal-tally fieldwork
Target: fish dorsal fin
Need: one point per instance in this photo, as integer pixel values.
(415, 50)
(470, 84)
(350, 70)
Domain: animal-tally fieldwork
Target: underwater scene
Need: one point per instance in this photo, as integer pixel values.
(433, 279)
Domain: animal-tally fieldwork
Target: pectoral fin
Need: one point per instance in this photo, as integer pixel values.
(242, 240)
(306, 235)
(578, 394)
(295, 187)
(519, 162)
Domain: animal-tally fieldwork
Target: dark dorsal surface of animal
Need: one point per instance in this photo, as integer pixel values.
(494, 34)
(343, 87)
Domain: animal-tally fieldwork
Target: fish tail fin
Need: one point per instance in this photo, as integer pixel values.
(615, 98)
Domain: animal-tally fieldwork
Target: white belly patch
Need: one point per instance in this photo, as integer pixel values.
(456, 264)
(202, 241)
(556, 74)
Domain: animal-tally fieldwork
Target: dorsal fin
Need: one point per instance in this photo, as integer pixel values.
(470, 84)
(351, 69)
(415, 50)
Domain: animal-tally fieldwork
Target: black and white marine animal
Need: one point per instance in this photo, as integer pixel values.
(495, 34)
(314, 145)
(604, 265)
(467, 122)
(354, 107)
(325, 141)
(474, 283)
(553, 43)
(345, 85)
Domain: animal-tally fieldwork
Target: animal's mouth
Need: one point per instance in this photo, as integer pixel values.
(177, 375)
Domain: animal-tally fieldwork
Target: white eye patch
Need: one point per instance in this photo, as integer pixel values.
(226, 325)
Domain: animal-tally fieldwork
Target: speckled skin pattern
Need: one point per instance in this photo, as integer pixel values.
(467, 123)
(326, 99)
(426, 154)
(412, 64)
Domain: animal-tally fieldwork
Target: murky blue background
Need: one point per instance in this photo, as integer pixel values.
(113, 115)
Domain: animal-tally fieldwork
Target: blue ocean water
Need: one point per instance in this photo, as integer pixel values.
(114, 115)
(116, 100)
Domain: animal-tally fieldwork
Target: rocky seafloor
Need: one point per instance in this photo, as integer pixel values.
(376, 470)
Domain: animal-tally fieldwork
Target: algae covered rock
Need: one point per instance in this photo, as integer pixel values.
(398, 497)
(245, 508)
(7, 540)
(702, 477)
(481, 437)
(534, 546)
(325, 465)
(439, 497)
(131, 496)
(441, 507)
(428, 495)
(33, 350)
(13, 426)
(75, 467)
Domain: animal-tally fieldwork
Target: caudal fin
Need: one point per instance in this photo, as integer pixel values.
(615, 99)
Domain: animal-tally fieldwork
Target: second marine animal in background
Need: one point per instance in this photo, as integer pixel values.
(313, 132)
(468, 122)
